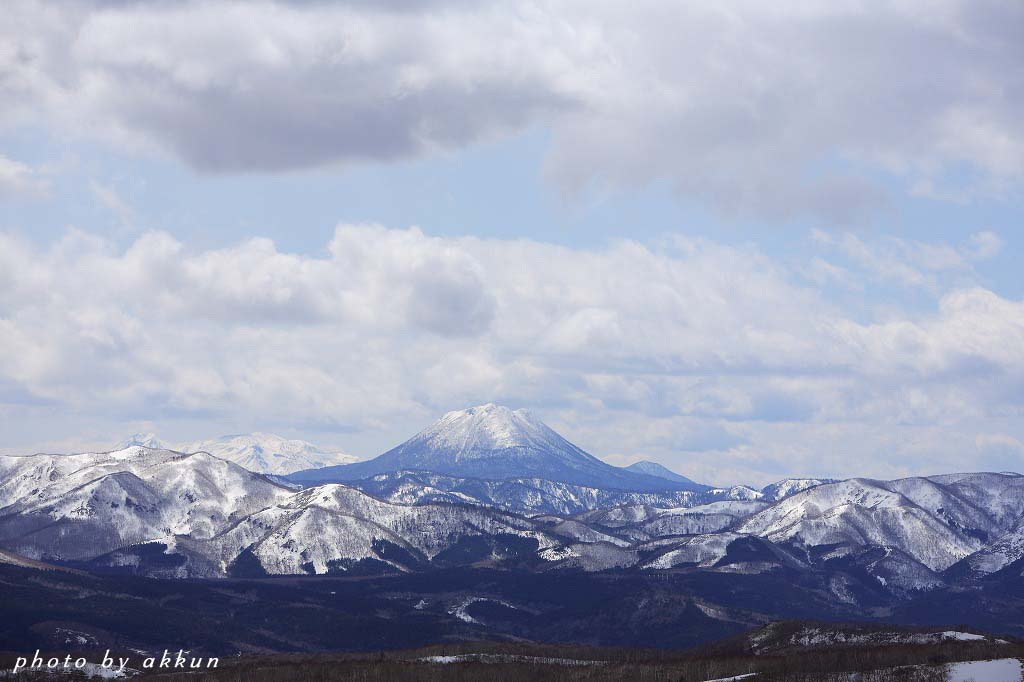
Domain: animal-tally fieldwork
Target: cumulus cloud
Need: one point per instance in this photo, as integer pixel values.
(777, 110)
(710, 356)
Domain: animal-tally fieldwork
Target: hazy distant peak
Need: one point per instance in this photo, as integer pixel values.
(261, 452)
(654, 469)
(146, 440)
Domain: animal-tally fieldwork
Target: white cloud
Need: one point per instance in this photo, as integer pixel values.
(695, 350)
(108, 197)
(774, 110)
(18, 179)
(906, 262)
(986, 244)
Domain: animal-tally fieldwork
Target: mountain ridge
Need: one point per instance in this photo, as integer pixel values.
(260, 452)
(167, 514)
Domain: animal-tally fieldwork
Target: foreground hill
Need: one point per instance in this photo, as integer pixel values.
(46, 608)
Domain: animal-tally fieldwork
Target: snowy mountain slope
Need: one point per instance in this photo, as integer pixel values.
(79, 506)
(787, 487)
(332, 528)
(267, 453)
(527, 495)
(714, 517)
(573, 530)
(654, 469)
(593, 556)
(494, 443)
(998, 495)
(896, 570)
(533, 495)
(936, 522)
(736, 492)
(707, 507)
(993, 557)
(700, 550)
(44, 477)
(164, 513)
(718, 550)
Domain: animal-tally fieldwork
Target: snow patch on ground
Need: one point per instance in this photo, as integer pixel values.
(460, 611)
(999, 670)
(962, 636)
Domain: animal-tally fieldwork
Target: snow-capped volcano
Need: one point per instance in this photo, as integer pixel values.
(266, 453)
(494, 442)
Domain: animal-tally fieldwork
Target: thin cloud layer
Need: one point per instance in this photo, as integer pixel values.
(20, 180)
(776, 111)
(712, 357)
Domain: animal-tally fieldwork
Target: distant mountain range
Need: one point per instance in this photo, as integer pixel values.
(263, 453)
(496, 488)
(169, 514)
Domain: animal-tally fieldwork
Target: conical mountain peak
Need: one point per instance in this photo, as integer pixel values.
(487, 427)
(493, 442)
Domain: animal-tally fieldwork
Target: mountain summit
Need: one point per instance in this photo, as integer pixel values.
(495, 443)
(654, 469)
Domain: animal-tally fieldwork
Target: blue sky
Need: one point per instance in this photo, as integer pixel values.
(796, 256)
